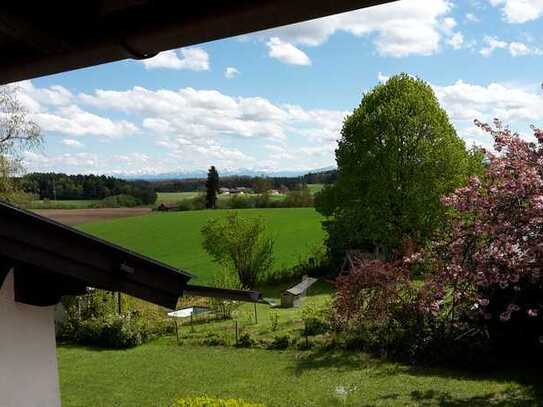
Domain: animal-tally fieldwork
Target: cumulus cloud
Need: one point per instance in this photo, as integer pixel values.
(465, 102)
(56, 110)
(230, 72)
(202, 127)
(72, 120)
(519, 11)
(456, 40)
(472, 18)
(192, 129)
(192, 114)
(492, 43)
(286, 52)
(193, 59)
(515, 48)
(92, 163)
(69, 142)
(398, 29)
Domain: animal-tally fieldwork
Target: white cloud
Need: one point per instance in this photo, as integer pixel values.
(398, 29)
(92, 163)
(56, 110)
(382, 77)
(72, 120)
(515, 48)
(230, 72)
(492, 43)
(286, 52)
(465, 102)
(472, 18)
(191, 114)
(519, 11)
(69, 142)
(456, 40)
(449, 23)
(521, 49)
(193, 59)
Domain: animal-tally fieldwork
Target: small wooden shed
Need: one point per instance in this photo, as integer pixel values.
(293, 296)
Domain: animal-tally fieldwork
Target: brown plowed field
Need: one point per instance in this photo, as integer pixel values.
(76, 216)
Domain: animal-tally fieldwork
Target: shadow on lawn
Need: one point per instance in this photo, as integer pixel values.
(530, 378)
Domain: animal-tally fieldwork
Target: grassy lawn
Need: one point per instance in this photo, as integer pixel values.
(314, 188)
(289, 321)
(156, 373)
(173, 197)
(175, 238)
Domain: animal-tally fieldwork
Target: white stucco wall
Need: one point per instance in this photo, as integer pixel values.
(28, 358)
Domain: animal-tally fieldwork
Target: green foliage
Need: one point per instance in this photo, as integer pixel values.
(119, 201)
(261, 184)
(56, 186)
(112, 331)
(238, 201)
(224, 279)
(18, 133)
(212, 188)
(245, 340)
(301, 198)
(316, 264)
(398, 154)
(280, 342)
(316, 318)
(93, 320)
(241, 244)
(205, 401)
(274, 321)
(326, 200)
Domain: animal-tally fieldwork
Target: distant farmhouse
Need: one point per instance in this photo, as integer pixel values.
(236, 190)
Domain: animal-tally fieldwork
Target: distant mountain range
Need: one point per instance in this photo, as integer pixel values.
(197, 174)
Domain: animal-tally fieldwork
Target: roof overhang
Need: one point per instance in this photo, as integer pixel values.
(42, 38)
(51, 260)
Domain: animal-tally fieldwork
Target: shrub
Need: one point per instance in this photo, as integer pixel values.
(237, 201)
(279, 342)
(316, 264)
(93, 320)
(240, 244)
(316, 319)
(299, 199)
(119, 201)
(206, 401)
(198, 202)
(185, 205)
(213, 340)
(113, 331)
(274, 320)
(245, 341)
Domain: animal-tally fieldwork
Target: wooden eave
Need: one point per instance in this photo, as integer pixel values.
(45, 37)
(71, 260)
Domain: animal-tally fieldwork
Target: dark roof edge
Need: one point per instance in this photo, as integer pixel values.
(43, 221)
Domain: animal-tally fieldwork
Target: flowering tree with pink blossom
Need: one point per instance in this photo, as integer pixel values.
(489, 262)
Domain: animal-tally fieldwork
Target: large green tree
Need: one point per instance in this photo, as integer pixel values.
(397, 155)
(212, 188)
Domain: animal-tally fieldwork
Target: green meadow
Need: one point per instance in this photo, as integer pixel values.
(175, 237)
(154, 374)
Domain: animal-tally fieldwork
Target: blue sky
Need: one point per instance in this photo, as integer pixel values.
(275, 100)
